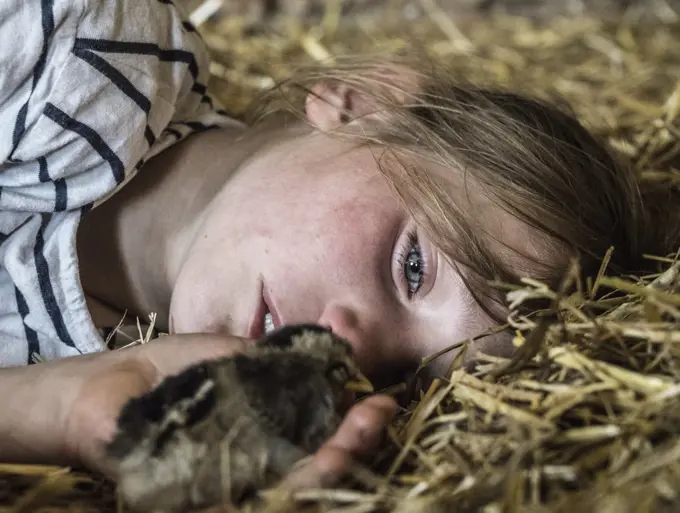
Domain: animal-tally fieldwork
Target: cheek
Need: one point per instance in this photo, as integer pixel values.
(350, 239)
(198, 299)
(188, 311)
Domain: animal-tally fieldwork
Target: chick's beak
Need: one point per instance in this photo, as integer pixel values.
(359, 383)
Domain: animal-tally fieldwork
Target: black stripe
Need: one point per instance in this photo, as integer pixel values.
(43, 173)
(150, 137)
(31, 335)
(174, 132)
(3, 238)
(197, 126)
(199, 89)
(85, 209)
(207, 99)
(91, 136)
(60, 201)
(108, 46)
(120, 81)
(20, 123)
(188, 26)
(46, 290)
(116, 77)
(168, 2)
(47, 29)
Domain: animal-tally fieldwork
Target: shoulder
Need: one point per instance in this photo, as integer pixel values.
(95, 98)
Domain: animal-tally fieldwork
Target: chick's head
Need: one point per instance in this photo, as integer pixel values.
(341, 369)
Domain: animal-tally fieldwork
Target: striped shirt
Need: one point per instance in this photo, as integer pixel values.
(89, 90)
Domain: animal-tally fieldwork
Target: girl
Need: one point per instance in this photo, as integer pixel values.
(379, 202)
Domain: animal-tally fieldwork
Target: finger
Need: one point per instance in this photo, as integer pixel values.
(360, 432)
(324, 469)
(362, 428)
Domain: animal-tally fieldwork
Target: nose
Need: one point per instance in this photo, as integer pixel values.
(377, 349)
(344, 322)
(362, 331)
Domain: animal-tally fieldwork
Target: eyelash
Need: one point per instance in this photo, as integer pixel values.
(412, 246)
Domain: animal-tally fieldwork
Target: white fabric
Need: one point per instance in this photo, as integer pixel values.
(89, 90)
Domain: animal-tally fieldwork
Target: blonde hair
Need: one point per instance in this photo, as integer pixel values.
(531, 157)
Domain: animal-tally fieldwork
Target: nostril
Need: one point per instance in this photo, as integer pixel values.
(326, 326)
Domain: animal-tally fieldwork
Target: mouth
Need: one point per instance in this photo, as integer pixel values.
(265, 320)
(268, 323)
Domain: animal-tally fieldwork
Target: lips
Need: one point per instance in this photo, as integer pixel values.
(256, 327)
(270, 304)
(265, 318)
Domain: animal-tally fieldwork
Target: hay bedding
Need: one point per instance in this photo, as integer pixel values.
(591, 421)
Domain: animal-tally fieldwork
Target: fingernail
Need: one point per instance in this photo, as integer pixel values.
(389, 410)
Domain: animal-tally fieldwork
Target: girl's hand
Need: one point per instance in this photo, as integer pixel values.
(74, 404)
(360, 433)
(109, 380)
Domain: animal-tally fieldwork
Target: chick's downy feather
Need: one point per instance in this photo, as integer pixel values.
(223, 428)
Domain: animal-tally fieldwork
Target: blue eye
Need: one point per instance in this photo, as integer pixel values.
(412, 265)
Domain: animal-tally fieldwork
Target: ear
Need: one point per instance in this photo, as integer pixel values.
(333, 103)
(330, 105)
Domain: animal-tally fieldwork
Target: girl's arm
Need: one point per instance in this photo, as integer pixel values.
(64, 412)
(33, 407)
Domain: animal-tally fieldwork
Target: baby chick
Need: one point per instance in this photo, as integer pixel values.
(224, 428)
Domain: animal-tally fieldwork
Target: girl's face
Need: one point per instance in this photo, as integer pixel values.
(309, 230)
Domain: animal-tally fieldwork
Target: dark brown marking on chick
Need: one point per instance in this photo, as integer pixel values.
(151, 408)
(223, 428)
(290, 381)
